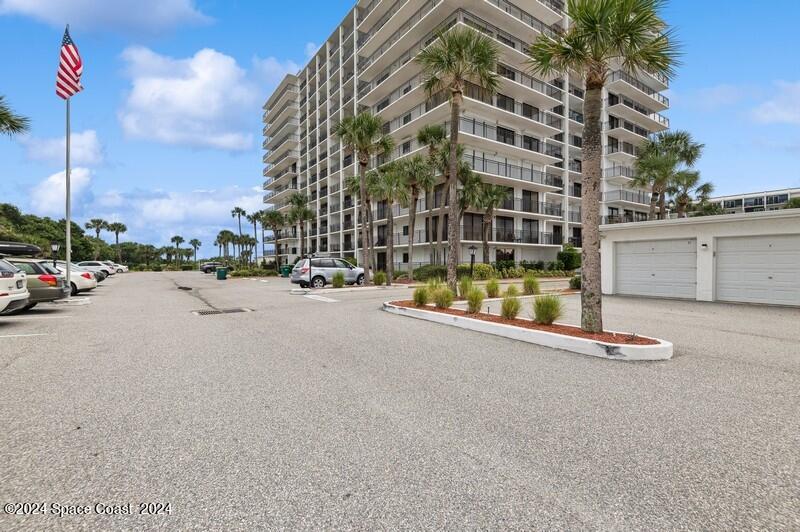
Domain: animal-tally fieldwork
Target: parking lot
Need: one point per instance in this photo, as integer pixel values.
(326, 413)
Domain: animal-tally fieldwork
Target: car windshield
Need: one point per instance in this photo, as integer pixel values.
(48, 267)
(7, 267)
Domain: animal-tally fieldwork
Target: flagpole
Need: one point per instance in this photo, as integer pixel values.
(69, 221)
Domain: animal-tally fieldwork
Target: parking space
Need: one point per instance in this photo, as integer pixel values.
(344, 414)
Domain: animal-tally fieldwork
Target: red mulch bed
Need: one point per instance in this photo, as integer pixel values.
(567, 330)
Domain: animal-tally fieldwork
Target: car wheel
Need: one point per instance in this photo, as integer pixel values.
(74, 291)
(303, 285)
(119, 271)
(360, 280)
(318, 282)
(28, 307)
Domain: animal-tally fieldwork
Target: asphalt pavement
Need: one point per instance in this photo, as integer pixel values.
(327, 413)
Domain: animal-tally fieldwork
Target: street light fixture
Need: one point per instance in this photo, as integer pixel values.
(472, 250)
(54, 245)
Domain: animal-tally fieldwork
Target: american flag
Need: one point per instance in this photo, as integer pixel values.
(70, 68)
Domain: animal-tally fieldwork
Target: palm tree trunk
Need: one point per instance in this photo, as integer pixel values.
(371, 234)
(412, 219)
(119, 251)
(662, 213)
(390, 246)
(653, 201)
(452, 221)
(487, 230)
(365, 228)
(591, 295)
(302, 239)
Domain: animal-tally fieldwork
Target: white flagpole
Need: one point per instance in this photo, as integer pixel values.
(69, 221)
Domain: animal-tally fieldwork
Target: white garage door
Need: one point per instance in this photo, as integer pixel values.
(759, 269)
(660, 268)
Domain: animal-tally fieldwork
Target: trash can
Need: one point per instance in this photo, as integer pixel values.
(222, 274)
(286, 270)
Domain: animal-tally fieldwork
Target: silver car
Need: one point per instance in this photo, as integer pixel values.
(322, 271)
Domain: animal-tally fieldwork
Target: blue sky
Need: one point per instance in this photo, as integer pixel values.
(177, 163)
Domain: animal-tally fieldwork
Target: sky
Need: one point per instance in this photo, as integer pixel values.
(167, 133)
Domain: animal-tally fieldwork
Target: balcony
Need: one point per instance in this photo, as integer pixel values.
(619, 175)
(628, 109)
(626, 131)
(622, 83)
(487, 136)
(623, 153)
(550, 181)
(531, 207)
(633, 197)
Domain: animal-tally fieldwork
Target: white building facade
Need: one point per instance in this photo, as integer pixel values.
(770, 200)
(527, 137)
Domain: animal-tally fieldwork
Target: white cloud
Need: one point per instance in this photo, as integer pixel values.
(48, 197)
(783, 107)
(200, 101)
(85, 149)
(271, 70)
(125, 15)
(311, 49)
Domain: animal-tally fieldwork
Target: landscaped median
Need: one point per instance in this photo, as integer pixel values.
(609, 344)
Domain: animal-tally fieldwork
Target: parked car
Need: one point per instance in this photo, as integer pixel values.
(322, 271)
(80, 280)
(45, 283)
(96, 266)
(118, 268)
(208, 267)
(99, 275)
(13, 288)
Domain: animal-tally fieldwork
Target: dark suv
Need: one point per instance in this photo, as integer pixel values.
(208, 267)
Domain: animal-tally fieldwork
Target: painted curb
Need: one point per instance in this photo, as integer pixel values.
(583, 346)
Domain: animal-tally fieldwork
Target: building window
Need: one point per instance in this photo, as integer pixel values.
(505, 102)
(407, 119)
(530, 143)
(506, 41)
(382, 105)
(529, 111)
(778, 198)
(506, 72)
(405, 258)
(503, 254)
(406, 147)
(505, 136)
(405, 230)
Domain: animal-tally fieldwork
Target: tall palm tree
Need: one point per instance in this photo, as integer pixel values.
(253, 219)
(604, 33)
(683, 185)
(96, 224)
(299, 214)
(117, 228)
(442, 163)
(275, 221)
(226, 238)
(218, 245)
(677, 145)
(434, 136)
(469, 192)
(458, 57)
(363, 136)
(419, 178)
(238, 212)
(177, 240)
(654, 170)
(390, 186)
(11, 123)
(195, 243)
(492, 197)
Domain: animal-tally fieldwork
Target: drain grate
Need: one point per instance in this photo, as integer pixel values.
(220, 311)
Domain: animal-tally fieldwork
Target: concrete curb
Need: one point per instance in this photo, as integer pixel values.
(583, 346)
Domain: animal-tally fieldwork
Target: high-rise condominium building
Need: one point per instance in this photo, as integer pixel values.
(527, 137)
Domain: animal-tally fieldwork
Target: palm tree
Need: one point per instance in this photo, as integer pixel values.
(96, 224)
(468, 196)
(218, 245)
(390, 186)
(117, 228)
(177, 240)
(300, 213)
(275, 221)
(363, 136)
(10, 123)
(253, 219)
(226, 238)
(195, 243)
(458, 57)
(672, 145)
(654, 170)
(683, 185)
(603, 33)
(238, 212)
(435, 137)
(492, 197)
(418, 177)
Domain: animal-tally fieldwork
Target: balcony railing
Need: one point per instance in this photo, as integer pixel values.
(489, 131)
(635, 83)
(513, 171)
(529, 206)
(619, 171)
(631, 196)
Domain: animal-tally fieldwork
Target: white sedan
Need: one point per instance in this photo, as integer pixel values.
(119, 268)
(13, 287)
(96, 266)
(81, 279)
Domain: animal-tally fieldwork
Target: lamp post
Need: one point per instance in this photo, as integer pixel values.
(472, 250)
(54, 251)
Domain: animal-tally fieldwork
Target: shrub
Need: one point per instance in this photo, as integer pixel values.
(464, 286)
(569, 258)
(512, 291)
(492, 288)
(421, 296)
(433, 284)
(575, 282)
(351, 260)
(474, 300)
(480, 272)
(187, 268)
(443, 297)
(530, 285)
(547, 309)
(157, 268)
(504, 264)
(510, 307)
(379, 279)
(338, 280)
(430, 271)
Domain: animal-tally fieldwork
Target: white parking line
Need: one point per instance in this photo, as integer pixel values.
(321, 298)
(36, 318)
(23, 335)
